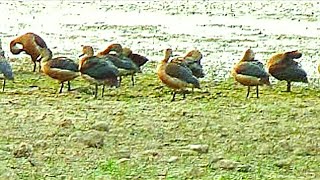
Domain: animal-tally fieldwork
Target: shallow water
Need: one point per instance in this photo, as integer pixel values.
(222, 30)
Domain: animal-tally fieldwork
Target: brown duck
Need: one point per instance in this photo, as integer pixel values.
(125, 65)
(31, 44)
(60, 68)
(250, 72)
(192, 60)
(175, 76)
(98, 70)
(283, 67)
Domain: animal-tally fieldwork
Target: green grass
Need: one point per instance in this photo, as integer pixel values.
(274, 137)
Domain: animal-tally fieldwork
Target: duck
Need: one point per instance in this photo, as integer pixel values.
(176, 76)
(31, 44)
(125, 65)
(60, 68)
(192, 60)
(138, 59)
(283, 67)
(250, 72)
(98, 70)
(5, 68)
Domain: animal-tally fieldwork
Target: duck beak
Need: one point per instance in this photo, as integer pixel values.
(81, 55)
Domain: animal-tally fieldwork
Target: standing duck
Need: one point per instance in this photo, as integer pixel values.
(31, 44)
(138, 59)
(283, 67)
(60, 68)
(175, 76)
(192, 60)
(5, 68)
(125, 65)
(250, 72)
(98, 71)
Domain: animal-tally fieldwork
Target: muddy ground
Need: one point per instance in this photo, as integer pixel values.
(136, 132)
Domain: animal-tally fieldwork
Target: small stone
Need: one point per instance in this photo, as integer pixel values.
(122, 160)
(199, 148)
(23, 150)
(172, 159)
(40, 144)
(93, 139)
(66, 123)
(215, 159)
(226, 164)
(101, 126)
(283, 163)
(76, 136)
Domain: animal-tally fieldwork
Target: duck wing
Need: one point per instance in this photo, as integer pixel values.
(183, 73)
(63, 63)
(5, 69)
(99, 69)
(251, 68)
(291, 73)
(138, 59)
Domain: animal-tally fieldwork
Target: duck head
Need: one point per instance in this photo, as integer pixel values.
(87, 50)
(293, 54)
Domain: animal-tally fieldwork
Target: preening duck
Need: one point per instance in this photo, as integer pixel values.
(250, 72)
(31, 44)
(176, 76)
(283, 67)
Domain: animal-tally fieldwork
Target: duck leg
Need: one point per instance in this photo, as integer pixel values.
(69, 86)
(4, 84)
(257, 91)
(132, 79)
(120, 79)
(184, 94)
(173, 96)
(288, 86)
(102, 90)
(34, 66)
(39, 66)
(96, 91)
(61, 87)
(248, 91)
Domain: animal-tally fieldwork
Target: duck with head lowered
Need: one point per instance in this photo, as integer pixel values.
(192, 60)
(283, 67)
(125, 65)
(31, 44)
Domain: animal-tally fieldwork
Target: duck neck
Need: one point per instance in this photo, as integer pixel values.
(46, 55)
(105, 52)
(166, 58)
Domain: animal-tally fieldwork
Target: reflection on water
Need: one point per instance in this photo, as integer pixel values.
(222, 30)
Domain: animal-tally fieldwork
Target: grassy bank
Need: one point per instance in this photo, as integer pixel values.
(136, 132)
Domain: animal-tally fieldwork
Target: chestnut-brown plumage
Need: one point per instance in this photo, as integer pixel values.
(283, 67)
(250, 72)
(176, 76)
(192, 60)
(138, 59)
(98, 70)
(31, 44)
(60, 68)
(125, 65)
